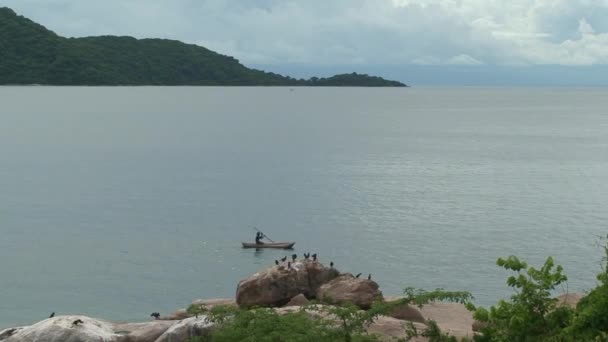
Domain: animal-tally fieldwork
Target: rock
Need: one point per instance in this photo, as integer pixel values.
(452, 318)
(346, 288)
(187, 328)
(209, 303)
(176, 316)
(6, 333)
(61, 329)
(407, 312)
(276, 286)
(391, 328)
(569, 299)
(299, 300)
(142, 332)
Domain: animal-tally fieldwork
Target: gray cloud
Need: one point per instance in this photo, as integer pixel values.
(371, 32)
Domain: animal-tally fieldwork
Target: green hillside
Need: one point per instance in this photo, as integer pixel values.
(32, 54)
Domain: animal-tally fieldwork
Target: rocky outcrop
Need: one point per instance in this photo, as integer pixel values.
(299, 300)
(142, 332)
(208, 303)
(276, 286)
(391, 328)
(346, 288)
(452, 318)
(62, 329)
(187, 328)
(402, 310)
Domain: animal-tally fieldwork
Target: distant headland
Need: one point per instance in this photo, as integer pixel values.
(32, 54)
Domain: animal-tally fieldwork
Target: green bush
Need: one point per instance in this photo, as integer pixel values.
(304, 325)
(590, 322)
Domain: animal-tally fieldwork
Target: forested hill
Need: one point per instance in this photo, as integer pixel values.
(31, 54)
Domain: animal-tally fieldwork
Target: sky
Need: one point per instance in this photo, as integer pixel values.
(356, 34)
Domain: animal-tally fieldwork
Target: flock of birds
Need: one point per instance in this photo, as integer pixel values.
(307, 256)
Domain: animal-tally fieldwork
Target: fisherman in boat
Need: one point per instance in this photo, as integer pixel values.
(258, 238)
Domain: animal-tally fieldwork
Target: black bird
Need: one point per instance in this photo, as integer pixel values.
(331, 264)
(284, 258)
(358, 275)
(306, 256)
(369, 277)
(314, 257)
(156, 315)
(276, 262)
(288, 264)
(76, 322)
(294, 257)
(52, 314)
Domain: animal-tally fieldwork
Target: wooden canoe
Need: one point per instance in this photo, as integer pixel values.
(277, 245)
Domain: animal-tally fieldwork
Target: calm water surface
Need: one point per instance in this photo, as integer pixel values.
(116, 202)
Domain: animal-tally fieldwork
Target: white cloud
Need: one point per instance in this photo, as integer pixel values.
(569, 32)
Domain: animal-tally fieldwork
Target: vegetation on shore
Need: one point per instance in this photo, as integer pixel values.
(531, 314)
(32, 54)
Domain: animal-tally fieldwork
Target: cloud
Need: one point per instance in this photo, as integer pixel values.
(370, 32)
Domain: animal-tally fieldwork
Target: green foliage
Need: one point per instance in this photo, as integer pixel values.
(432, 332)
(590, 320)
(352, 320)
(532, 313)
(347, 323)
(197, 309)
(31, 54)
(421, 297)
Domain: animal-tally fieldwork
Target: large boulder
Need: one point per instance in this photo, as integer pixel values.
(389, 329)
(62, 329)
(347, 288)
(299, 300)
(274, 287)
(187, 328)
(142, 332)
(402, 310)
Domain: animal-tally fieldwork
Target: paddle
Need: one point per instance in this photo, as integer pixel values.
(269, 239)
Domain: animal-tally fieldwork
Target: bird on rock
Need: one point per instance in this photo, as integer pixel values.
(331, 264)
(284, 258)
(369, 277)
(358, 275)
(156, 315)
(314, 257)
(76, 322)
(276, 262)
(294, 257)
(52, 314)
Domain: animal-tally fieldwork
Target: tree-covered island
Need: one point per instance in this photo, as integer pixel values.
(32, 54)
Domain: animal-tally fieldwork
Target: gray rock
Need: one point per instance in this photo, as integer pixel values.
(143, 332)
(62, 329)
(187, 328)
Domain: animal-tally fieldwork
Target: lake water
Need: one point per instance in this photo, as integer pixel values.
(117, 202)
